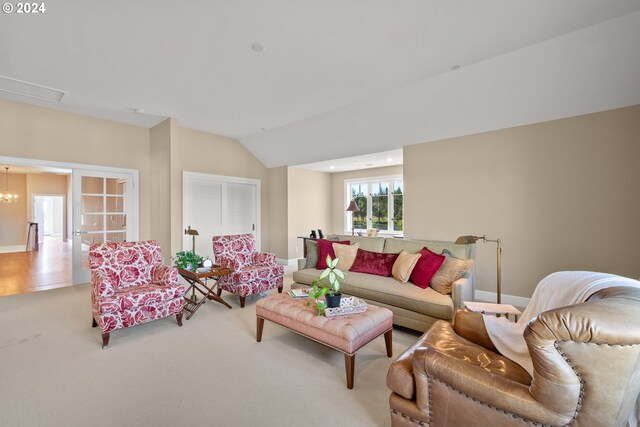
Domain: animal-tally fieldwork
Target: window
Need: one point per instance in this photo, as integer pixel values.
(380, 204)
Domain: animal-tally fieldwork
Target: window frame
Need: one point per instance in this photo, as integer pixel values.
(390, 179)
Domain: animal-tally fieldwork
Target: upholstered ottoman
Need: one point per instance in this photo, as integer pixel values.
(343, 333)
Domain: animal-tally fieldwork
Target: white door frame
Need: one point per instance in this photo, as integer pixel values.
(187, 176)
(135, 196)
(65, 224)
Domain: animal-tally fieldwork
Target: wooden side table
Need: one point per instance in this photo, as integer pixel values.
(196, 283)
(491, 308)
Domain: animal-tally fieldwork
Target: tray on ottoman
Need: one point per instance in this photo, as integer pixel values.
(348, 305)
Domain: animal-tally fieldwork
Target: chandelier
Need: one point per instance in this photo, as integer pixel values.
(7, 197)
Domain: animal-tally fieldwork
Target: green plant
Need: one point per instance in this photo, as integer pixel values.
(184, 259)
(319, 287)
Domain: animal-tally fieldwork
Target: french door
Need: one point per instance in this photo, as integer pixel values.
(103, 211)
(216, 205)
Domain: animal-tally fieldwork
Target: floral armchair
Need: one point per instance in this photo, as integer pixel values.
(130, 285)
(254, 272)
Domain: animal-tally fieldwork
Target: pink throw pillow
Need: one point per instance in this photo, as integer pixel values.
(325, 248)
(426, 267)
(376, 263)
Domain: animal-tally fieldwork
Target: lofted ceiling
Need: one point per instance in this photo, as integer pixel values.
(336, 78)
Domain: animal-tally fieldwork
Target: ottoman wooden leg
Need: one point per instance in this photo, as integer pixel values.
(388, 343)
(349, 364)
(259, 327)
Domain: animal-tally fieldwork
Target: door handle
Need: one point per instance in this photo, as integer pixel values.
(78, 232)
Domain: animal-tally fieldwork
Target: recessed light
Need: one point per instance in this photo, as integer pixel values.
(369, 164)
(263, 128)
(455, 67)
(332, 167)
(257, 47)
(389, 159)
(138, 110)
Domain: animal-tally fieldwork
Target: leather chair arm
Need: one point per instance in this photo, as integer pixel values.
(474, 382)
(470, 325)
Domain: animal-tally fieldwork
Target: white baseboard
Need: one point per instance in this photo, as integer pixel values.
(287, 262)
(506, 299)
(16, 248)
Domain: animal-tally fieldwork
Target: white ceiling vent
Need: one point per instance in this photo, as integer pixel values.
(32, 90)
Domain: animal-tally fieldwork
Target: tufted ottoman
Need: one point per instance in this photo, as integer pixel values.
(343, 333)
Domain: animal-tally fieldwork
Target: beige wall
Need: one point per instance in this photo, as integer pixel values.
(309, 201)
(278, 215)
(160, 185)
(562, 195)
(13, 216)
(338, 197)
(202, 152)
(40, 133)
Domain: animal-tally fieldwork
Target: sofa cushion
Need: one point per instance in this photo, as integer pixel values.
(426, 268)
(404, 265)
(377, 263)
(325, 247)
(312, 254)
(346, 254)
(394, 246)
(387, 290)
(374, 244)
(451, 270)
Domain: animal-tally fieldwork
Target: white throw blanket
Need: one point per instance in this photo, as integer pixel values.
(554, 291)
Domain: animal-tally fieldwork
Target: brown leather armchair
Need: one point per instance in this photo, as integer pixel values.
(586, 361)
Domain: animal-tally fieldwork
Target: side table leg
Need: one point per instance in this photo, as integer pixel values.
(349, 365)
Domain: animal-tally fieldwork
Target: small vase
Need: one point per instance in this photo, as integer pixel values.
(333, 301)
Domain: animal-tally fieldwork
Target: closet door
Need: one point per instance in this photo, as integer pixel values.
(218, 205)
(203, 199)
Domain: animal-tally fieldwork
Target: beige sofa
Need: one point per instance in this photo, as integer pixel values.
(412, 307)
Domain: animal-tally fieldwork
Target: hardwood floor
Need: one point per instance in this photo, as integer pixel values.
(48, 268)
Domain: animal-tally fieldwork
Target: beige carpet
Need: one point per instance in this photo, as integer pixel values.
(209, 372)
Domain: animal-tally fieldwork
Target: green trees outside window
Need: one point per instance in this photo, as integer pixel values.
(380, 205)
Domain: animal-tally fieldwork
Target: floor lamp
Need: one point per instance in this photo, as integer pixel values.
(353, 207)
(466, 240)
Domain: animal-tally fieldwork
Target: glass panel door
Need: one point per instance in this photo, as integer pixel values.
(101, 208)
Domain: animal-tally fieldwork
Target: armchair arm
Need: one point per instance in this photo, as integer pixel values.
(164, 275)
(264, 258)
(462, 290)
(227, 262)
(470, 325)
(101, 284)
(473, 382)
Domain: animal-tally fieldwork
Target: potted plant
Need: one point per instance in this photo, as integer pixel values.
(187, 260)
(331, 293)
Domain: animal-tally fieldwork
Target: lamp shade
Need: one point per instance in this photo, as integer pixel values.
(466, 240)
(353, 207)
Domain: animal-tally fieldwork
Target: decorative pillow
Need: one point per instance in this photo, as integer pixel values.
(346, 255)
(404, 265)
(426, 267)
(325, 247)
(312, 254)
(373, 263)
(452, 269)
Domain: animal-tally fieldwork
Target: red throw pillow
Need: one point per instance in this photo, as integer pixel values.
(426, 267)
(373, 263)
(325, 248)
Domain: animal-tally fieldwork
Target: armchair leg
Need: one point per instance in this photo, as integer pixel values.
(179, 318)
(105, 339)
(242, 301)
(280, 289)
(219, 291)
(93, 323)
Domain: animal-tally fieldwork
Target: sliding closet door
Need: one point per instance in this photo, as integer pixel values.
(218, 205)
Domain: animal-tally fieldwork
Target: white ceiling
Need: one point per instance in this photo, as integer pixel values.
(336, 79)
(363, 161)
